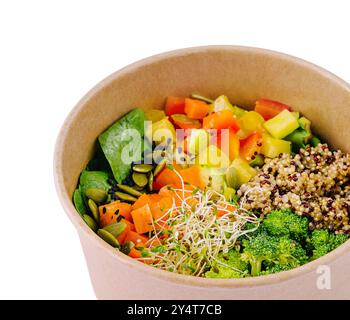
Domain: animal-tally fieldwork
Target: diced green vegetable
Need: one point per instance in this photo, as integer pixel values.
(213, 178)
(305, 124)
(258, 161)
(213, 156)
(271, 147)
(197, 141)
(301, 136)
(238, 111)
(238, 173)
(229, 193)
(296, 114)
(221, 103)
(281, 125)
(314, 141)
(116, 138)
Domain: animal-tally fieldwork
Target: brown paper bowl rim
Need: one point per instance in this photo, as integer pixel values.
(152, 271)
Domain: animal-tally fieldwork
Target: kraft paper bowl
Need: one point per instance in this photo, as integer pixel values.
(244, 74)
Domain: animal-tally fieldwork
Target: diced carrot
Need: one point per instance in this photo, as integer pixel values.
(174, 105)
(229, 207)
(196, 109)
(111, 211)
(251, 146)
(269, 108)
(166, 177)
(141, 201)
(223, 119)
(143, 219)
(135, 238)
(135, 253)
(184, 122)
(177, 196)
(130, 224)
(192, 175)
(160, 207)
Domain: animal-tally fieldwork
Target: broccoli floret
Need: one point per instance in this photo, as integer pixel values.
(272, 252)
(274, 268)
(323, 242)
(290, 253)
(238, 268)
(285, 223)
(259, 249)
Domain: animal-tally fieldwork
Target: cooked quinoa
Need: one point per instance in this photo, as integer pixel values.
(314, 183)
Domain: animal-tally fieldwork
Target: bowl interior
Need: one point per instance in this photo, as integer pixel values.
(243, 74)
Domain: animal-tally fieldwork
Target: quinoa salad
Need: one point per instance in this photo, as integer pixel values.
(208, 188)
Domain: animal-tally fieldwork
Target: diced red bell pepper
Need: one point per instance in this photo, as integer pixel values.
(269, 108)
(251, 146)
(174, 105)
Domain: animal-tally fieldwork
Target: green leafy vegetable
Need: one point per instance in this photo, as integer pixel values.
(79, 202)
(117, 137)
(93, 180)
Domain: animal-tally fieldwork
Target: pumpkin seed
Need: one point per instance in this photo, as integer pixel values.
(150, 182)
(115, 228)
(136, 187)
(94, 210)
(108, 237)
(159, 167)
(128, 245)
(125, 196)
(129, 190)
(90, 222)
(95, 194)
(140, 179)
(142, 168)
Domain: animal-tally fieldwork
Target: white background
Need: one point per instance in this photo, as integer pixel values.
(53, 52)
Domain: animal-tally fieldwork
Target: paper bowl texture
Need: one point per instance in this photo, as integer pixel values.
(244, 75)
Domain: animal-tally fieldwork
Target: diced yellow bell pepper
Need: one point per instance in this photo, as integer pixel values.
(197, 141)
(251, 121)
(154, 115)
(281, 125)
(163, 131)
(272, 147)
